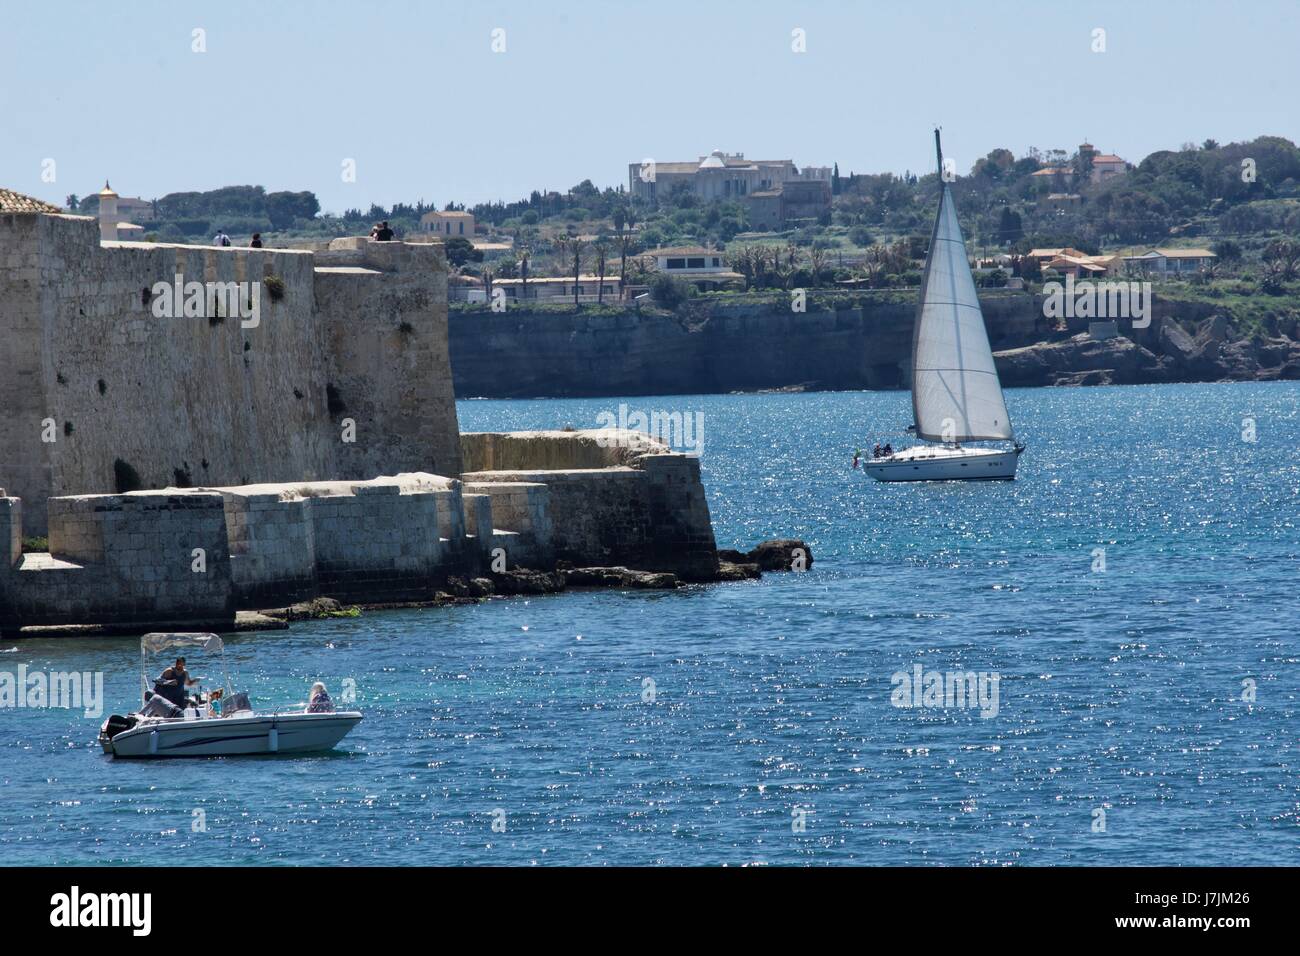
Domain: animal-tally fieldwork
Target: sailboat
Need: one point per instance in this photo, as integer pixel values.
(956, 394)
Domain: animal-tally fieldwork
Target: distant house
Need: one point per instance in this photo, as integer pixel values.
(1044, 256)
(1062, 201)
(1170, 261)
(706, 269)
(1069, 261)
(687, 259)
(557, 288)
(1107, 166)
(1102, 167)
(1083, 267)
(448, 225)
(135, 209)
(719, 175)
(773, 209)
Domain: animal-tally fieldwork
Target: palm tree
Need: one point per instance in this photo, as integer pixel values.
(601, 249)
(573, 246)
(624, 243)
(522, 255)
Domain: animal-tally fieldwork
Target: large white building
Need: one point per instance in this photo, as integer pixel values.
(718, 175)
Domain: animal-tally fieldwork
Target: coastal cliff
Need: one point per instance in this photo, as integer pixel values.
(861, 342)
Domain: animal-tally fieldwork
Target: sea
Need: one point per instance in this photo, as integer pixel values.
(1095, 664)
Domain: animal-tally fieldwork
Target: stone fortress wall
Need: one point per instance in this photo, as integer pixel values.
(249, 493)
(194, 556)
(206, 400)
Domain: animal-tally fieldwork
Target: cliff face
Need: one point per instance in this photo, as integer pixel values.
(726, 348)
(732, 348)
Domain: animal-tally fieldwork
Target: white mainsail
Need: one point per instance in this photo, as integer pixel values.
(956, 395)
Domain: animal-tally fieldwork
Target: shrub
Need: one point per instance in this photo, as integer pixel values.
(669, 291)
(125, 478)
(274, 286)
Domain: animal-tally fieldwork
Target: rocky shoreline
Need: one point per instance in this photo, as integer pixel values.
(776, 555)
(1209, 352)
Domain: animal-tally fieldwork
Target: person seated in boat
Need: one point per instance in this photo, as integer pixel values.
(889, 449)
(318, 702)
(877, 451)
(172, 683)
(214, 703)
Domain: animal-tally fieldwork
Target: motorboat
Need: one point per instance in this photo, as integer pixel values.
(956, 394)
(160, 728)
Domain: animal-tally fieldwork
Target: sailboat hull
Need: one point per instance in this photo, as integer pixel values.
(944, 464)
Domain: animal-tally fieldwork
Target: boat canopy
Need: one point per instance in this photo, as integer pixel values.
(158, 641)
(155, 642)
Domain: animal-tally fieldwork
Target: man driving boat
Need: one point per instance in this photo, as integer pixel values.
(171, 685)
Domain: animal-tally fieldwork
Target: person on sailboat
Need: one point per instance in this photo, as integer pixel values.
(877, 451)
(889, 450)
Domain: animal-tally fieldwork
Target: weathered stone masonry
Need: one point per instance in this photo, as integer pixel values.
(190, 401)
(260, 501)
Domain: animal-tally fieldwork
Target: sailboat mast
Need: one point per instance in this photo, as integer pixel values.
(938, 153)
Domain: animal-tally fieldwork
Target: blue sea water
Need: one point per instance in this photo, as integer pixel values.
(770, 736)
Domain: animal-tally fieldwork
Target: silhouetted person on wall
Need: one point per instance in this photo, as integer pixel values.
(384, 234)
(257, 241)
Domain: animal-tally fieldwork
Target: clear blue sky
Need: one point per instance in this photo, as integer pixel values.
(413, 92)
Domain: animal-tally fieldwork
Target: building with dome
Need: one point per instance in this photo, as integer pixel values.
(717, 176)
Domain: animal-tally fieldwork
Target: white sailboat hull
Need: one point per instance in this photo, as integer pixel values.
(924, 463)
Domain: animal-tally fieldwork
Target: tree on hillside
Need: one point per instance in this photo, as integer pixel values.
(570, 249)
(601, 251)
(522, 256)
(1283, 256)
(1010, 227)
(461, 251)
(625, 243)
(282, 208)
(817, 258)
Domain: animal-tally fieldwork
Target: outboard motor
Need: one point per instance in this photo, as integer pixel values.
(115, 724)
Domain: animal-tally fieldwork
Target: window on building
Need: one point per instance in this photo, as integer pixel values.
(717, 261)
(697, 263)
(675, 264)
(462, 227)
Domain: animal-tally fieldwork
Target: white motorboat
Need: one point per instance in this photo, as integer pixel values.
(956, 393)
(161, 729)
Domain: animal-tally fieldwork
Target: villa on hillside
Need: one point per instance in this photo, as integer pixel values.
(1170, 261)
(718, 176)
(1102, 167)
(451, 224)
(706, 269)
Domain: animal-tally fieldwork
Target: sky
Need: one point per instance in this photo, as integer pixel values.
(415, 95)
